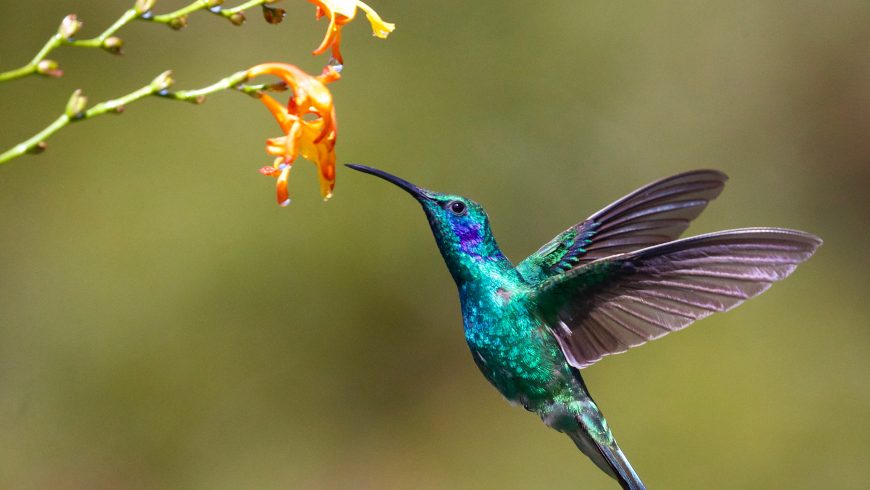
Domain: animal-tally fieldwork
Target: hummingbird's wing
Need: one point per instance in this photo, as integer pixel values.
(656, 213)
(612, 304)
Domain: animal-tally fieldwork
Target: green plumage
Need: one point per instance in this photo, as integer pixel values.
(609, 283)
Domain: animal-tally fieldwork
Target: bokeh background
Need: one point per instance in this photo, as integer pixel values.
(163, 324)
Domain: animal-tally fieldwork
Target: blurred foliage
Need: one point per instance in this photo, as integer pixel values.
(163, 324)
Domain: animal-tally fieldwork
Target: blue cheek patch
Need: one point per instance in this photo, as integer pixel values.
(469, 237)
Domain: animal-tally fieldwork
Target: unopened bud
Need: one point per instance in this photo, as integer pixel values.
(113, 45)
(178, 22)
(237, 18)
(76, 104)
(38, 148)
(213, 3)
(277, 87)
(273, 15)
(143, 6)
(49, 68)
(163, 81)
(69, 26)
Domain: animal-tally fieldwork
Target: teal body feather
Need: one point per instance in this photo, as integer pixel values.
(611, 282)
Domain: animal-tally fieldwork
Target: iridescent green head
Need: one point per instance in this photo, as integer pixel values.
(460, 226)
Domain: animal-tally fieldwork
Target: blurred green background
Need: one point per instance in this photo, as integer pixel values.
(163, 324)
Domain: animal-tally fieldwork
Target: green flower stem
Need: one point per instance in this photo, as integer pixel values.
(36, 143)
(197, 96)
(98, 41)
(53, 42)
(25, 70)
(30, 68)
(244, 6)
(193, 7)
(56, 40)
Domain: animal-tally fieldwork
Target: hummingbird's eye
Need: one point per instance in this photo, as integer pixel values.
(457, 207)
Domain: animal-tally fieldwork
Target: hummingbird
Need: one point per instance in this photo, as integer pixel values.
(614, 281)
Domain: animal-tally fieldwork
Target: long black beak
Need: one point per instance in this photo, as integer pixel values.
(410, 188)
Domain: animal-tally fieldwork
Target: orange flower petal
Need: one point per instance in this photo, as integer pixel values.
(283, 194)
(314, 139)
(336, 46)
(330, 38)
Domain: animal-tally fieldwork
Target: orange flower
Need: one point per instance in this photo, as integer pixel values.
(340, 12)
(308, 123)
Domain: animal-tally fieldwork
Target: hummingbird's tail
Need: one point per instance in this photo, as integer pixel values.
(591, 434)
(608, 457)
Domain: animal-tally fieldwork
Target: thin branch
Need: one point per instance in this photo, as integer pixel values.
(141, 11)
(158, 87)
(97, 42)
(245, 6)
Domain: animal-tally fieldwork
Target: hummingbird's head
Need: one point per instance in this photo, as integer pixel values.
(460, 226)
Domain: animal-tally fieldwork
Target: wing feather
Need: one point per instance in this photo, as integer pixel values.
(607, 306)
(654, 214)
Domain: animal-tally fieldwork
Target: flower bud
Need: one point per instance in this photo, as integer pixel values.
(49, 68)
(69, 26)
(113, 45)
(163, 81)
(38, 148)
(76, 104)
(213, 3)
(273, 15)
(178, 22)
(237, 18)
(143, 6)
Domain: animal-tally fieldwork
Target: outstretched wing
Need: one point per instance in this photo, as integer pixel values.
(656, 213)
(626, 300)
